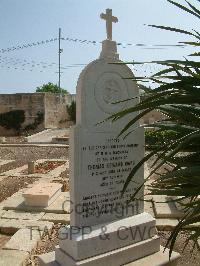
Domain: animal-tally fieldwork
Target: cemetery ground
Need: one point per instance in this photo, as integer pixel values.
(15, 222)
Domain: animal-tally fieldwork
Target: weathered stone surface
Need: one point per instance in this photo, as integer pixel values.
(24, 239)
(10, 214)
(56, 218)
(64, 140)
(2, 223)
(166, 224)
(60, 205)
(3, 162)
(118, 257)
(12, 226)
(165, 209)
(16, 201)
(42, 194)
(54, 110)
(2, 212)
(31, 167)
(15, 172)
(12, 257)
(57, 171)
(160, 258)
(3, 239)
(47, 259)
(148, 207)
(157, 259)
(82, 244)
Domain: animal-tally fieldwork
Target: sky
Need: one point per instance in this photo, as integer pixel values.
(25, 22)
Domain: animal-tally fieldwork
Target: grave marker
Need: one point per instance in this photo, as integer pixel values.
(42, 194)
(105, 229)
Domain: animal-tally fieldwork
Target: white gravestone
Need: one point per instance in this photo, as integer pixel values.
(100, 162)
(104, 228)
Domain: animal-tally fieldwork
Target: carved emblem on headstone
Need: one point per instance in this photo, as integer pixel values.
(110, 89)
(111, 92)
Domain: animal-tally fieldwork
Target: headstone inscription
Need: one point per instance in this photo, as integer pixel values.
(105, 229)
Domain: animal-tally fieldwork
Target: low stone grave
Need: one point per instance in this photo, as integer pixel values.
(60, 140)
(16, 202)
(42, 194)
(6, 165)
(2, 140)
(24, 225)
(42, 167)
(165, 207)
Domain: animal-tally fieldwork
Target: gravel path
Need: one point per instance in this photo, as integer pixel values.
(29, 153)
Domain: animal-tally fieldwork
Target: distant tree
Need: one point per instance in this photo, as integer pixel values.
(50, 87)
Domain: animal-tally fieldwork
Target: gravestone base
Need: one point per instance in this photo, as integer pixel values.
(159, 258)
(90, 241)
(115, 257)
(116, 243)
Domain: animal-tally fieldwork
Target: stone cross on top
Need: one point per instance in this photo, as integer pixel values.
(109, 20)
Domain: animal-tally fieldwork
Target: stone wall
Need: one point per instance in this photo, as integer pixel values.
(53, 106)
(31, 103)
(56, 111)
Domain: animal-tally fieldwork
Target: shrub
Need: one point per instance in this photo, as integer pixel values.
(177, 96)
(71, 109)
(157, 138)
(12, 119)
(38, 120)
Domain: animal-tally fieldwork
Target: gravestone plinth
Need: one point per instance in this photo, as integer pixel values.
(106, 228)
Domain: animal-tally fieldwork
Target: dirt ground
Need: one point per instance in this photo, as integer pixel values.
(190, 256)
(33, 153)
(10, 185)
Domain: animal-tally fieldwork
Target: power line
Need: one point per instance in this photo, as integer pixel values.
(24, 62)
(28, 45)
(85, 41)
(124, 45)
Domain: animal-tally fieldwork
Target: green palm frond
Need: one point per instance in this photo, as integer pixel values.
(177, 96)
